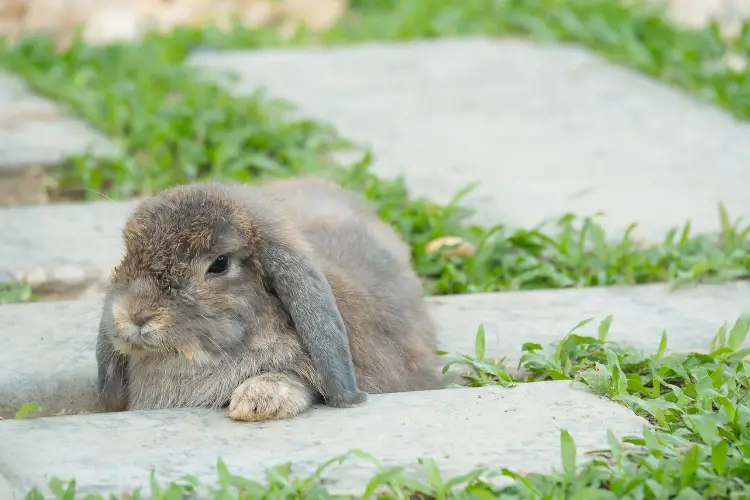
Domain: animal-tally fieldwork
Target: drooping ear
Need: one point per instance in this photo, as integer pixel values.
(307, 296)
(112, 368)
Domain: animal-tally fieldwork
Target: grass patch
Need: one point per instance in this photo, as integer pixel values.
(15, 292)
(26, 409)
(699, 446)
(174, 127)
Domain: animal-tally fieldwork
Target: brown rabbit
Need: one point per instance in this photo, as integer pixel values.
(263, 298)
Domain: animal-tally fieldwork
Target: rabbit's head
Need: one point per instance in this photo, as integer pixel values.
(190, 281)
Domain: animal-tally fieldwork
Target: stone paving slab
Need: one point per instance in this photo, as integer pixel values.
(546, 129)
(48, 354)
(518, 428)
(61, 245)
(36, 131)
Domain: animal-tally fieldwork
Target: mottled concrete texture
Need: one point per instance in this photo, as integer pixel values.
(547, 129)
(65, 242)
(36, 131)
(518, 428)
(48, 354)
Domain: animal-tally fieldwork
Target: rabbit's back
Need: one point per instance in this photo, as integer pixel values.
(335, 221)
(391, 334)
(344, 231)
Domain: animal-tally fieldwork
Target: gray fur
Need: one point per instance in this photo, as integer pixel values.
(112, 365)
(311, 267)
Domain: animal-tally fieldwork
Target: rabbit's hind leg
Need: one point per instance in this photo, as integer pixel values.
(271, 396)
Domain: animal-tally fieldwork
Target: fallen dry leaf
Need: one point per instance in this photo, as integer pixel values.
(462, 247)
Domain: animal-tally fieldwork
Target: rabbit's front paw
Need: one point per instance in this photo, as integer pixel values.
(270, 396)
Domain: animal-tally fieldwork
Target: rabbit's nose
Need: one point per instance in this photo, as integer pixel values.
(141, 319)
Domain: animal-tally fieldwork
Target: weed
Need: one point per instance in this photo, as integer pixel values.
(13, 292)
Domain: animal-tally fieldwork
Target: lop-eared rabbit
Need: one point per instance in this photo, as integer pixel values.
(266, 298)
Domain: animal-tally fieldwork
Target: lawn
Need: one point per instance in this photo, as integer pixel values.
(698, 402)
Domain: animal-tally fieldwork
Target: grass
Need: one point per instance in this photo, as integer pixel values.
(174, 126)
(25, 410)
(13, 292)
(698, 446)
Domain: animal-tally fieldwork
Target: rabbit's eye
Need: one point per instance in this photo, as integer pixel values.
(219, 265)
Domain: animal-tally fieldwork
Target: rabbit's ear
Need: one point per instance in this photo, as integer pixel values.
(307, 296)
(112, 368)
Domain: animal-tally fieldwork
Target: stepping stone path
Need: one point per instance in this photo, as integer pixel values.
(63, 245)
(36, 135)
(61, 334)
(512, 426)
(546, 129)
(443, 113)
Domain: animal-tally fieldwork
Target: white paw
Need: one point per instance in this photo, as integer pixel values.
(269, 396)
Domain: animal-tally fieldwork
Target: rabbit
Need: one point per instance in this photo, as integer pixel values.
(265, 298)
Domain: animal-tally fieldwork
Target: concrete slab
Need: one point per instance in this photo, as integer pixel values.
(64, 245)
(48, 354)
(546, 129)
(6, 488)
(518, 428)
(36, 131)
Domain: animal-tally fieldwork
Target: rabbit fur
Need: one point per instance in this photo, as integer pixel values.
(318, 300)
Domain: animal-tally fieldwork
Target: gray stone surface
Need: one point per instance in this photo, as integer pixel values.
(518, 428)
(546, 129)
(48, 353)
(6, 488)
(36, 131)
(65, 242)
